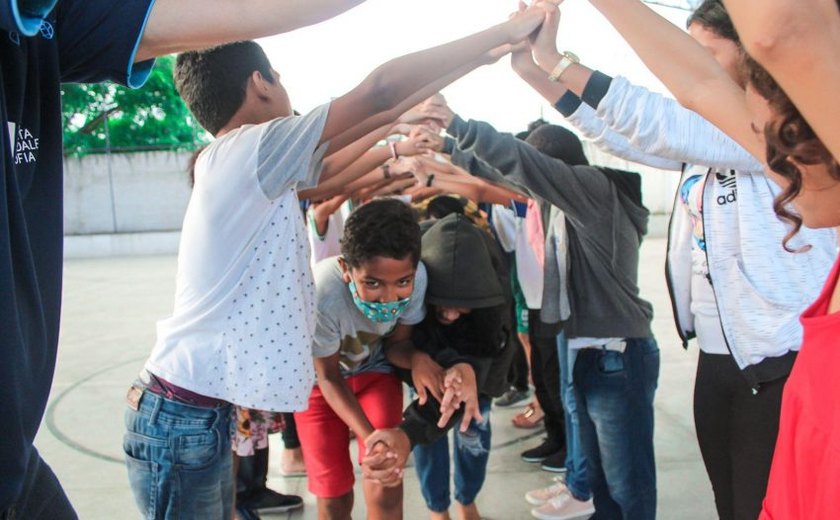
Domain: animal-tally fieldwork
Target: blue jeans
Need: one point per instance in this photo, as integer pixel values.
(575, 459)
(41, 497)
(472, 449)
(179, 459)
(614, 392)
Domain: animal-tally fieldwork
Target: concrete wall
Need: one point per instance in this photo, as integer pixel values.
(138, 193)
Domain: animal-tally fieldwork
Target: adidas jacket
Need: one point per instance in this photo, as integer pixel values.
(760, 288)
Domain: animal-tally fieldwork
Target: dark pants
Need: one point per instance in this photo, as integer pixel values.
(42, 496)
(737, 432)
(518, 373)
(614, 393)
(290, 436)
(545, 371)
(252, 474)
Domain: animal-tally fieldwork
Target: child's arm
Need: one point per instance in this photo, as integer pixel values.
(689, 71)
(321, 211)
(426, 375)
(340, 160)
(419, 140)
(179, 25)
(651, 128)
(377, 100)
(473, 188)
(339, 396)
(422, 424)
(499, 157)
(797, 42)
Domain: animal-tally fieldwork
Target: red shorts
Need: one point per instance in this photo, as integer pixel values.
(324, 437)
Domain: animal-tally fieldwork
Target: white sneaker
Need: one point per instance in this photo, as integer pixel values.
(564, 507)
(540, 496)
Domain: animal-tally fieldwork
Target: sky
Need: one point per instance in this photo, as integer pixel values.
(324, 61)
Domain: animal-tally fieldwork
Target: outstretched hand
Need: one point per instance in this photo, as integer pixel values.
(420, 139)
(544, 42)
(524, 23)
(438, 112)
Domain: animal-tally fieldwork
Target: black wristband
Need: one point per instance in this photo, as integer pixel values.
(596, 88)
(568, 103)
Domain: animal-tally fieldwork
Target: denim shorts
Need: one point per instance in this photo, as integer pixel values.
(179, 459)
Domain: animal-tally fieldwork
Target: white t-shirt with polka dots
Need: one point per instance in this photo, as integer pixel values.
(244, 312)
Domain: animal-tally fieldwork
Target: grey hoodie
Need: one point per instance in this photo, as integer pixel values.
(605, 229)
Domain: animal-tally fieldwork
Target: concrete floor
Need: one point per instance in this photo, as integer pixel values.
(110, 308)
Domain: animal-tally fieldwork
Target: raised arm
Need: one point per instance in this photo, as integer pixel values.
(438, 178)
(581, 115)
(384, 94)
(659, 126)
(180, 25)
(689, 71)
(577, 190)
(797, 42)
(419, 140)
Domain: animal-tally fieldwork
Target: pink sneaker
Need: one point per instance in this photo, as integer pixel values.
(564, 507)
(540, 496)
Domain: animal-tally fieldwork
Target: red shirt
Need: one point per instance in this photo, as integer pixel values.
(805, 476)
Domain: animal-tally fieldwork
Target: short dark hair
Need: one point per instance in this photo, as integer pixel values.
(443, 205)
(558, 142)
(212, 82)
(383, 227)
(712, 15)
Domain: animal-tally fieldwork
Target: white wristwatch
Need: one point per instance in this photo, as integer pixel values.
(567, 58)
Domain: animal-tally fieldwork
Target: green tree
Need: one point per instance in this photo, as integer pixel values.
(152, 117)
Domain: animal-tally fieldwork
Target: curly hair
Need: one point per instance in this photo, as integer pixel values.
(790, 141)
(383, 227)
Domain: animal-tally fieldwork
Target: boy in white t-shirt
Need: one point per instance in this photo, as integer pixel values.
(241, 328)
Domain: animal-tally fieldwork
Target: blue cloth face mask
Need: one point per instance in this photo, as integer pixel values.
(378, 312)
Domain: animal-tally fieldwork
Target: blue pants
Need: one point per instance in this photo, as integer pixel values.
(179, 459)
(575, 459)
(614, 392)
(472, 449)
(41, 497)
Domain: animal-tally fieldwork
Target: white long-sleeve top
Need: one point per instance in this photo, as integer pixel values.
(760, 288)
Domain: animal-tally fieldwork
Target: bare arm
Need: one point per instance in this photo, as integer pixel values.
(377, 100)
(473, 188)
(341, 159)
(797, 42)
(426, 374)
(322, 211)
(374, 184)
(477, 190)
(419, 141)
(689, 71)
(523, 64)
(339, 396)
(180, 25)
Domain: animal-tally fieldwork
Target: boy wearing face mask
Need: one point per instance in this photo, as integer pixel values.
(367, 300)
